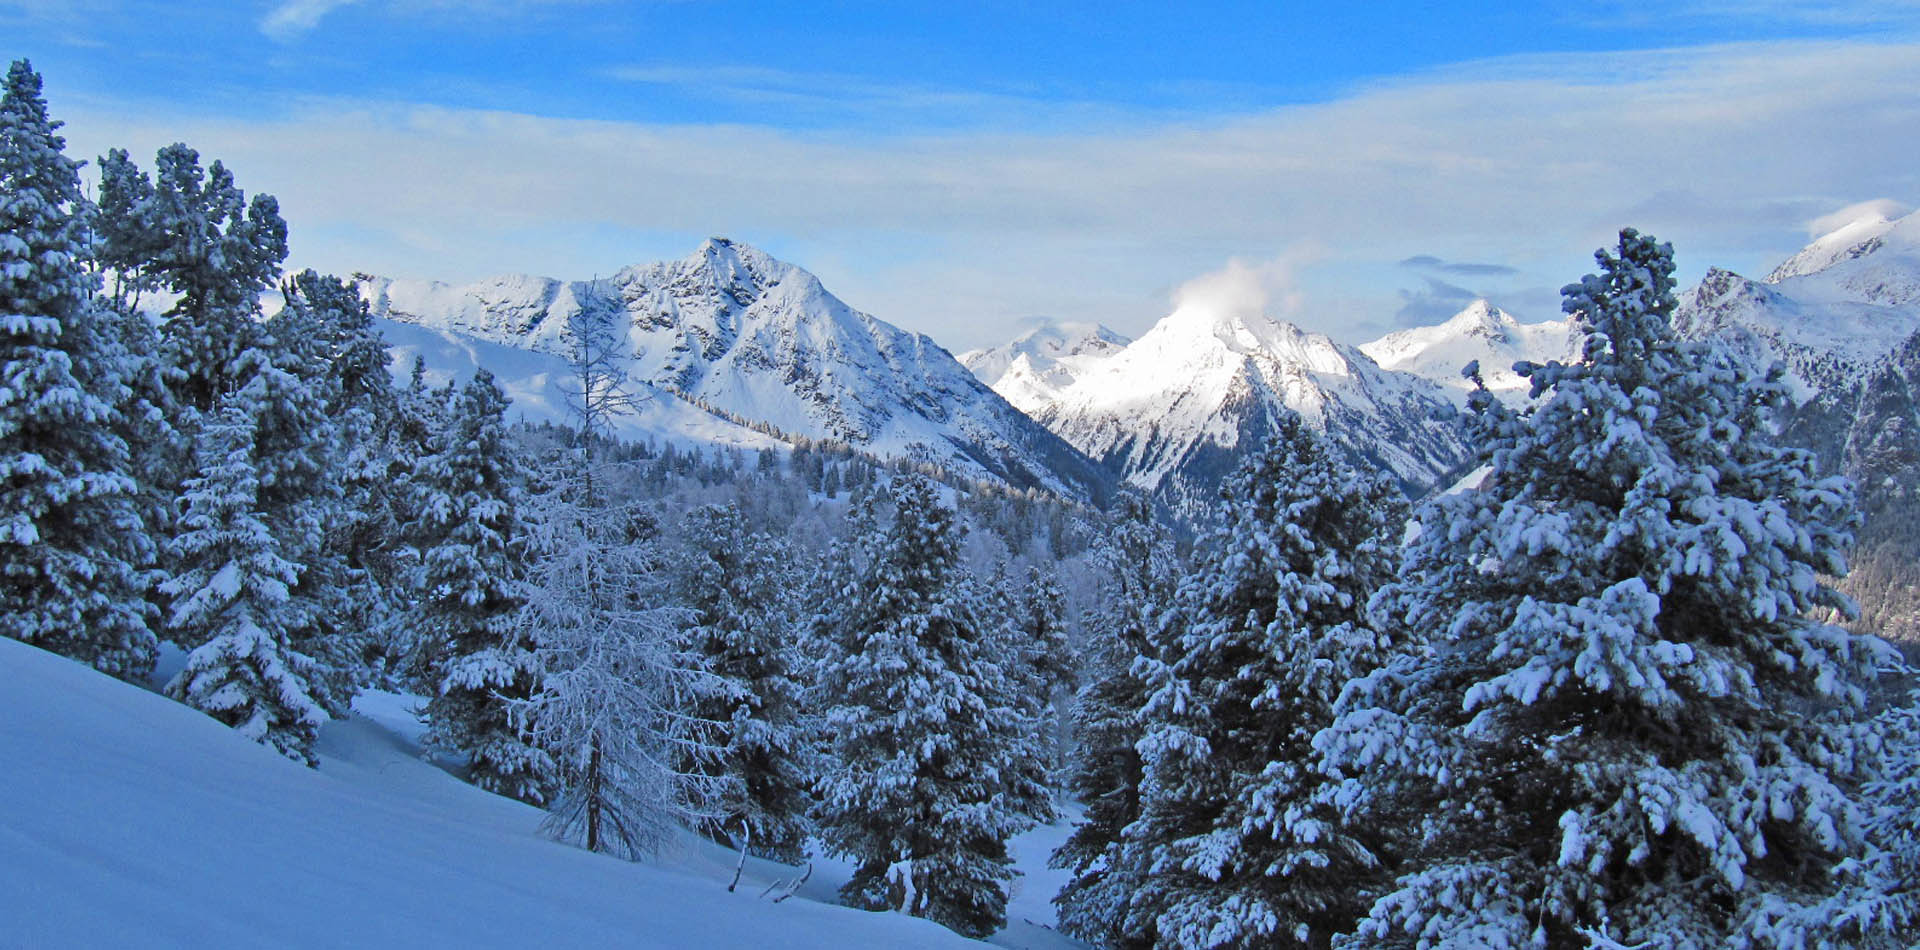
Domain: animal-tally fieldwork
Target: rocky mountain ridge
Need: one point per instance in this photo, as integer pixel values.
(732, 329)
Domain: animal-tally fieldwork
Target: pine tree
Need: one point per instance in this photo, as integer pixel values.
(1139, 557)
(925, 739)
(325, 339)
(741, 588)
(1878, 905)
(229, 603)
(472, 590)
(72, 540)
(421, 413)
(1237, 844)
(285, 385)
(1037, 641)
(1029, 640)
(1626, 729)
(192, 232)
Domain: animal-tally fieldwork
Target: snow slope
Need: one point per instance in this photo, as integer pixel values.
(1481, 332)
(133, 821)
(731, 328)
(1173, 411)
(1031, 370)
(536, 382)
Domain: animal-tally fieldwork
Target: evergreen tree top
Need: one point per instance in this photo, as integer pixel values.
(25, 104)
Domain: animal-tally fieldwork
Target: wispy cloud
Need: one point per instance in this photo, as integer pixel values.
(295, 17)
(291, 19)
(795, 96)
(1884, 207)
(1432, 263)
(1844, 13)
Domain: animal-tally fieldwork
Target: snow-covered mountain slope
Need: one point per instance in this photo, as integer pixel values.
(1174, 411)
(537, 381)
(128, 820)
(733, 329)
(1828, 313)
(1483, 333)
(1030, 371)
(1868, 232)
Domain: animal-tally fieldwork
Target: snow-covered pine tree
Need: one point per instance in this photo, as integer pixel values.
(192, 232)
(1037, 641)
(1028, 637)
(473, 588)
(421, 413)
(296, 456)
(229, 602)
(1236, 845)
(1627, 729)
(72, 542)
(925, 738)
(1138, 557)
(742, 589)
(324, 338)
(1878, 905)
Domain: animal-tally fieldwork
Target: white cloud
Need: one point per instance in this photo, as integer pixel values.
(1725, 152)
(1248, 290)
(291, 19)
(1883, 207)
(295, 17)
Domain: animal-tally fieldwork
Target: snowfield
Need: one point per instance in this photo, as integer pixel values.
(135, 821)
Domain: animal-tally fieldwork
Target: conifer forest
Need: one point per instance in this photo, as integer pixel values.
(1602, 651)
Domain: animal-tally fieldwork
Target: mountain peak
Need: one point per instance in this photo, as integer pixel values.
(1173, 411)
(731, 329)
(1030, 370)
(1848, 234)
(1481, 318)
(1480, 333)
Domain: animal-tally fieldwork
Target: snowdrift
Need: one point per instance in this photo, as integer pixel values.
(131, 821)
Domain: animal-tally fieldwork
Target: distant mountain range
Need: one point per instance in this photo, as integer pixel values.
(738, 348)
(1032, 369)
(1172, 412)
(1482, 334)
(734, 333)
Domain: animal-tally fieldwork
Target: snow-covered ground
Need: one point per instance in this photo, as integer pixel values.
(132, 821)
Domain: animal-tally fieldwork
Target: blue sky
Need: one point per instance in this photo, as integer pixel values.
(962, 168)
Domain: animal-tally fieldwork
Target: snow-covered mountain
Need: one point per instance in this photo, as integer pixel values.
(1484, 333)
(1828, 313)
(731, 329)
(1030, 371)
(1843, 317)
(1174, 410)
